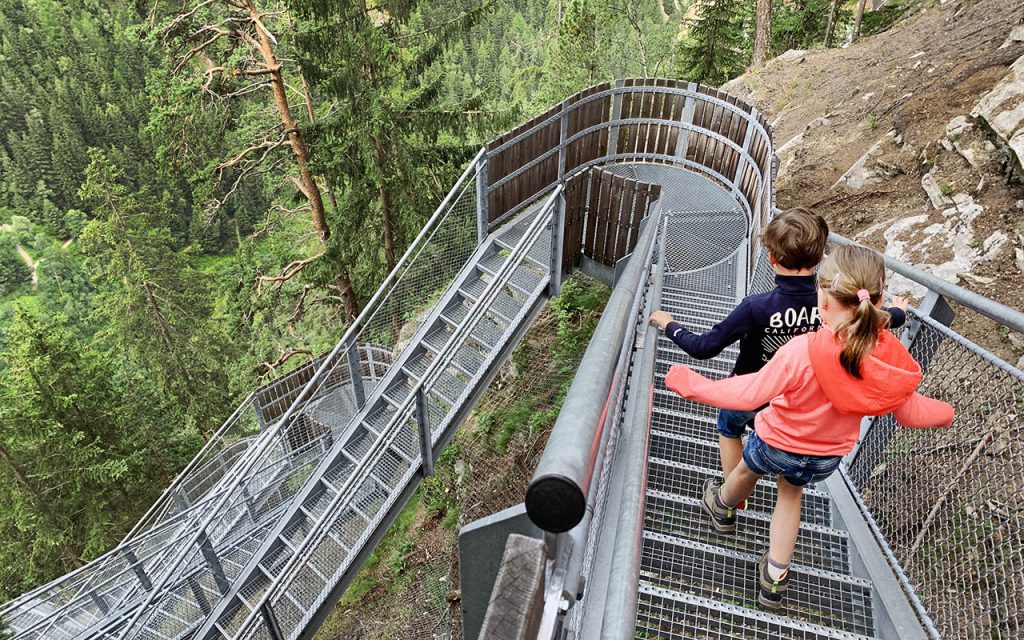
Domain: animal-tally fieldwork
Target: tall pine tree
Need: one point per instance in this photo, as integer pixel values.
(716, 48)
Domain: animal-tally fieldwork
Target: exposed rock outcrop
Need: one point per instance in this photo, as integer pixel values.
(1002, 110)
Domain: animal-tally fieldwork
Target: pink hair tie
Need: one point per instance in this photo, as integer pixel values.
(863, 294)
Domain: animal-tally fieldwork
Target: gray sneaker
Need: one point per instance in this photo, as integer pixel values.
(723, 519)
(770, 592)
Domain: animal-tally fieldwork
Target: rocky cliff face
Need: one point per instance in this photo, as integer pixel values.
(911, 141)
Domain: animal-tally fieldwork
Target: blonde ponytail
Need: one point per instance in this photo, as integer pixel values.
(855, 277)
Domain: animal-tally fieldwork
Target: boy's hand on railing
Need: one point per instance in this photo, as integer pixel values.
(900, 303)
(661, 319)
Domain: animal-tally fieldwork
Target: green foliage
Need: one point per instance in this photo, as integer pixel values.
(799, 25)
(80, 454)
(718, 45)
(14, 273)
(884, 18)
(155, 308)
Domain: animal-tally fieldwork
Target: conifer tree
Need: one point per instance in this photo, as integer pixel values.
(387, 144)
(716, 48)
(155, 308)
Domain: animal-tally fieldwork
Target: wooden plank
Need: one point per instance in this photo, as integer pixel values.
(575, 208)
(600, 217)
(631, 192)
(593, 202)
(606, 252)
(517, 599)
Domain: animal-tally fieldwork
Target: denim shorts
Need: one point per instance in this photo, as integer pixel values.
(733, 424)
(797, 468)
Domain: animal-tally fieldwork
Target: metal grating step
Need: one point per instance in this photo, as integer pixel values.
(669, 615)
(486, 333)
(697, 304)
(686, 480)
(523, 280)
(700, 427)
(718, 279)
(507, 240)
(671, 401)
(684, 450)
(690, 409)
(681, 293)
(503, 307)
(669, 350)
(712, 369)
(814, 596)
(682, 517)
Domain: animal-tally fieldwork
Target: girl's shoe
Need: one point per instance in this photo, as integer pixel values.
(723, 519)
(770, 592)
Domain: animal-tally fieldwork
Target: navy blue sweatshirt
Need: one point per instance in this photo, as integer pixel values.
(762, 323)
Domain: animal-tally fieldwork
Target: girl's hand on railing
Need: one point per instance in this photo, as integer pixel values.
(661, 319)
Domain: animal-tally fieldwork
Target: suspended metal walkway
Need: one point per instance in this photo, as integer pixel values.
(661, 188)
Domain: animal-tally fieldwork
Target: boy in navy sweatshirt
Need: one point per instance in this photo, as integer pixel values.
(795, 241)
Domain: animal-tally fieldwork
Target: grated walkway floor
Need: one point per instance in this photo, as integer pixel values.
(694, 582)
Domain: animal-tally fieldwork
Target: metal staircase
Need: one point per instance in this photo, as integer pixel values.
(695, 582)
(372, 469)
(263, 531)
(259, 536)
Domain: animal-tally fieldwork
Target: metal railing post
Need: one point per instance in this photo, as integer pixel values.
(483, 220)
(423, 424)
(273, 627)
(100, 602)
(197, 592)
(613, 134)
(935, 307)
(210, 555)
(557, 240)
(688, 107)
(563, 135)
(140, 573)
(355, 372)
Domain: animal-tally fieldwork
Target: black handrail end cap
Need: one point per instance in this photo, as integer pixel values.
(555, 503)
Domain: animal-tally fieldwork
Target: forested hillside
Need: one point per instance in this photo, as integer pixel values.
(187, 189)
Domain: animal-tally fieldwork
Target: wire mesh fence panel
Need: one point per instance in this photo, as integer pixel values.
(948, 501)
(253, 495)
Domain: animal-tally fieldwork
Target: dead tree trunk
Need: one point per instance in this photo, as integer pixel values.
(858, 17)
(762, 33)
(295, 138)
(830, 27)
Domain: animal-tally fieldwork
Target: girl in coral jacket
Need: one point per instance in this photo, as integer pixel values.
(819, 386)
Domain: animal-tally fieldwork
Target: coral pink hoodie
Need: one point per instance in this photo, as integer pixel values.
(815, 405)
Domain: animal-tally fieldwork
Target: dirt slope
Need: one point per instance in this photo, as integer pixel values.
(895, 94)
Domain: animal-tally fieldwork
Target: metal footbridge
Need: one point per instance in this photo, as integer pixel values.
(660, 188)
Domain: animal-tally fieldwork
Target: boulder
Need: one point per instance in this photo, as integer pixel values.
(931, 187)
(869, 168)
(793, 55)
(1002, 110)
(964, 137)
(1016, 35)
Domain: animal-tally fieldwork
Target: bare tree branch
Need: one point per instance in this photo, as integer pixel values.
(288, 273)
(267, 368)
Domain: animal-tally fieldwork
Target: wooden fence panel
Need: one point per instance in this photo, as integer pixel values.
(613, 211)
(595, 144)
(532, 181)
(575, 216)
